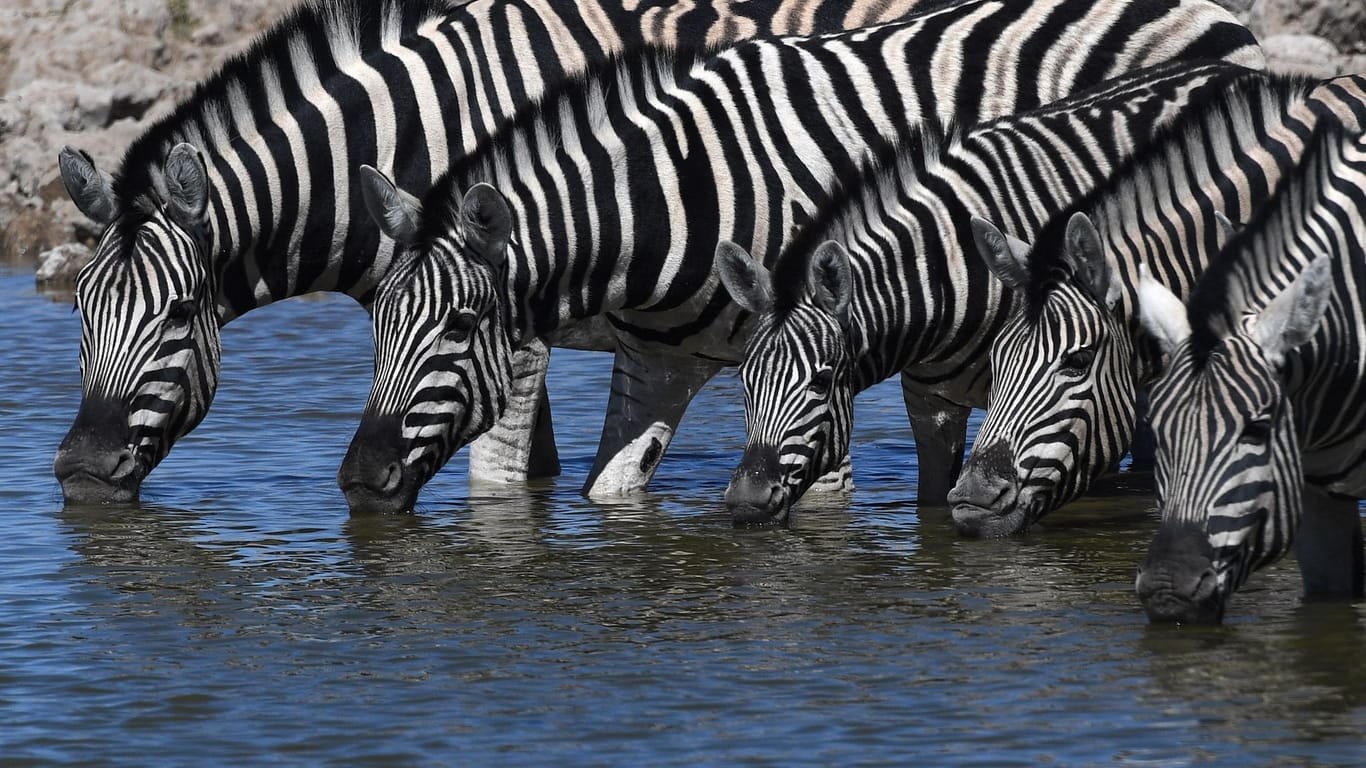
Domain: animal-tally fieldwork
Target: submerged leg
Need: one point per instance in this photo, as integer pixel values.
(649, 395)
(1143, 449)
(940, 428)
(1329, 546)
(521, 444)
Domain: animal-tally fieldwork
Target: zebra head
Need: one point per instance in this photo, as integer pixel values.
(799, 398)
(443, 354)
(1061, 406)
(1228, 462)
(149, 325)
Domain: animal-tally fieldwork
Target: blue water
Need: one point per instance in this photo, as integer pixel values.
(240, 616)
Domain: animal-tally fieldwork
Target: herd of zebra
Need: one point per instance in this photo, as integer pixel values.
(1046, 208)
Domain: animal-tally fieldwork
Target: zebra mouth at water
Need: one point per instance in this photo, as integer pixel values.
(84, 487)
(982, 522)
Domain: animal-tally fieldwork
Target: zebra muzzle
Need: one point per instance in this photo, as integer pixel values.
(95, 464)
(756, 494)
(986, 499)
(1177, 581)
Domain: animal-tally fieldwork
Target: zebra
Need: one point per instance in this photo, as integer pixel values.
(245, 194)
(1260, 412)
(739, 145)
(1067, 364)
(879, 282)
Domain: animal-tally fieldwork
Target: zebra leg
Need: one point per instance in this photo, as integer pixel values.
(649, 395)
(1328, 546)
(940, 429)
(1143, 449)
(521, 445)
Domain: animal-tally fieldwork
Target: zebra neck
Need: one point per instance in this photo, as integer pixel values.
(1230, 160)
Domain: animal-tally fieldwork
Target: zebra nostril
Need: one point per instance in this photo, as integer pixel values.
(775, 497)
(1205, 585)
(393, 477)
(124, 465)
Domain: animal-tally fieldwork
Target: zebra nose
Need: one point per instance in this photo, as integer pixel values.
(1177, 580)
(755, 495)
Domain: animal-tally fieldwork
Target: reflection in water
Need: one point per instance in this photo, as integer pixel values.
(240, 612)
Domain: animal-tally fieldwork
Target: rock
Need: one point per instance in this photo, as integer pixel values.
(95, 74)
(1301, 55)
(60, 264)
(1342, 22)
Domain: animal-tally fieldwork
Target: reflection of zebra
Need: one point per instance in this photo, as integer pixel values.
(1260, 416)
(245, 194)
(879, 283)
(737, 145)
(1066, 365)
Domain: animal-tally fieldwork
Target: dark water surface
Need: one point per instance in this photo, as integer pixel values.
(239, 616)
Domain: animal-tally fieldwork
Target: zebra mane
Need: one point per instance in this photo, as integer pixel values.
(881, 175)
(1260, 97)
(327, 31)
(1228, 286)
(589, 96)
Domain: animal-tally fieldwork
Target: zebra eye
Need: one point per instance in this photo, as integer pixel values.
(1256, 432)
(180, 312)
(459, 325)
(1079, 360)
(820, 383)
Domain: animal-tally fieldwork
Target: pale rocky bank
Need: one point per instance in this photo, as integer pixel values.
(95, 73)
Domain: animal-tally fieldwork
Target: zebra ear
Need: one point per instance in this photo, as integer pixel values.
(829, 281)
(398, 214)
(747, 281)
(187, 185)
(90, 188)
(1293, 316)
(1086, 256)
(1007, 257)
(1161, 313)
(486, 222)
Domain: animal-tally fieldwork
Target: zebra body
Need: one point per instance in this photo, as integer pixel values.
(405, 85)
(895, 249)
(618, 192)
(1067, 364)
(1260, 414)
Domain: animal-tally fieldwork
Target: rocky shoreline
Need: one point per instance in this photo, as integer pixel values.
(95, 73)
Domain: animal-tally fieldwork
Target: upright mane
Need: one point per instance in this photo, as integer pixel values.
(1235, 109)
(323, 30)
(590, 96)
(883, 173)
(1226, 290)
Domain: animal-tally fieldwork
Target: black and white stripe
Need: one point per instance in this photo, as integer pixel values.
(404, 85)
(1068, 363)
(881, 283)
(1260, 416)
(618, 191)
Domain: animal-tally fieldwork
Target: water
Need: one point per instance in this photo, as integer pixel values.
(239, 616)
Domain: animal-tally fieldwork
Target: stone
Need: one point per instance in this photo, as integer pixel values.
(1342, 22)
(61, 264)
(1301, 55)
